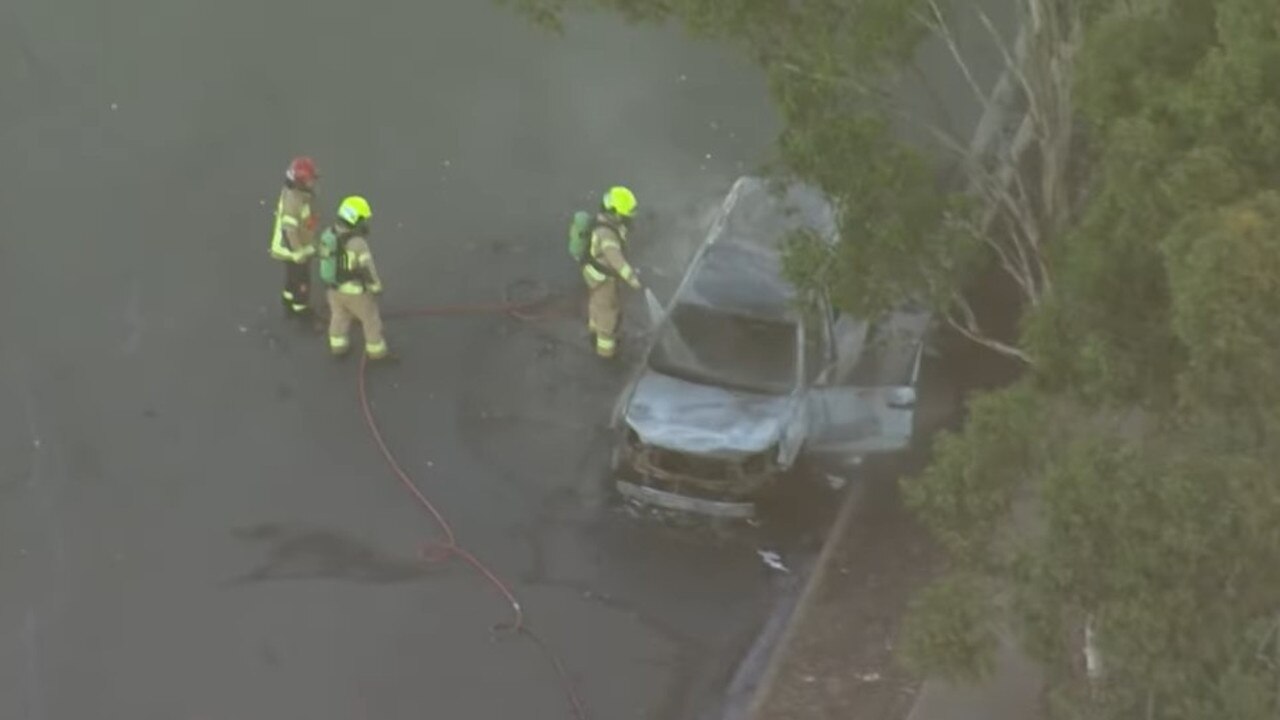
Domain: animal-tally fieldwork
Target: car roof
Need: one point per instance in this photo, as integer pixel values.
(740, 268)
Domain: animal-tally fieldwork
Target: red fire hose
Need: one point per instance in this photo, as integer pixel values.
(447, 547)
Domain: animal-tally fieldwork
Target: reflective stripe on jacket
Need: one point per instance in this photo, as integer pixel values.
(291, 235)
(605, 254)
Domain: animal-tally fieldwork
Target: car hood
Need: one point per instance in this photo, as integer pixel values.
(705, 420)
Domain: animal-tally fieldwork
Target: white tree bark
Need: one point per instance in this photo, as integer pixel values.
(1037, 78)
(1033, 96)
(1092, 659)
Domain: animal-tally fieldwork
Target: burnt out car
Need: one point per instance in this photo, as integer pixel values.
(741, 380)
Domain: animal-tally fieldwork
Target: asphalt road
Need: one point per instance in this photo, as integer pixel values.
(194, 524)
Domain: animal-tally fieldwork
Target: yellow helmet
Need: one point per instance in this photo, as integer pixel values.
(620, 200)
(354, 210)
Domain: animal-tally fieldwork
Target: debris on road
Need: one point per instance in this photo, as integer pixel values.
(840, 661)
(773, 560)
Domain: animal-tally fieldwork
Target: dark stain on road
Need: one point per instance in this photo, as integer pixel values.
(302, 553)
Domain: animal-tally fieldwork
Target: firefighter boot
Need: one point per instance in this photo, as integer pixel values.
(388, 357)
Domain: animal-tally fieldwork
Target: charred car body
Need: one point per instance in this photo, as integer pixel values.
(740, 380)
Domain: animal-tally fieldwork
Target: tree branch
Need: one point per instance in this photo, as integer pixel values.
(938, 105)
(943, 30)
(1024, 236)
(1048, 50)
(1026, 227)
(1013, 61)
(1030, 268)
(1022, 206)
(1002, 255)
(968, 327)
(1047, 41)
(1277, 660)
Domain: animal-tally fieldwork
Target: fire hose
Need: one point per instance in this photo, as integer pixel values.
(447, 546)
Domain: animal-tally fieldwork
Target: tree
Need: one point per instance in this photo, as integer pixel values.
(1182, 101)
(1224, 270)
(1151, 515)
(833, 66)
(1159, 536)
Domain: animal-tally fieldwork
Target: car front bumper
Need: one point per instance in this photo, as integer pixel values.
(691, 483)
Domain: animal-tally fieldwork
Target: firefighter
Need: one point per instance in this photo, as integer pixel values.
(604, 266)
(351, 280)
(292, 238)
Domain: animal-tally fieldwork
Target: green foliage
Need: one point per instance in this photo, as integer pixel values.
(948, 632)
(1183, 99)
(1163, 530)
(966, 493)
(1224, 266)
(546, 14)
(1168, 541)
(893, 222)
(840, 36)
(1135, 53)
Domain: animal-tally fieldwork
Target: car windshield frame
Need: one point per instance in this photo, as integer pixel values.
(661, 355)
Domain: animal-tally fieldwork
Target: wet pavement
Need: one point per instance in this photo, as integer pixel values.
(194, 522)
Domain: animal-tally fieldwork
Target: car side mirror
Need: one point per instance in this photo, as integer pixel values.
(902, 398)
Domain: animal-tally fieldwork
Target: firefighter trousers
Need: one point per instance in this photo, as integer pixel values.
(296, 296)
(363, 307)
(603, 316)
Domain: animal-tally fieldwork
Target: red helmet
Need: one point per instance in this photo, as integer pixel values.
(302, 171)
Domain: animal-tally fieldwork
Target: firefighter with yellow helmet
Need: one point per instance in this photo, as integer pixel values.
(352, 281)
(604, 265)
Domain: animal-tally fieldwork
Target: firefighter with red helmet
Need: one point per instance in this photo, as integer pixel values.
(293, 236)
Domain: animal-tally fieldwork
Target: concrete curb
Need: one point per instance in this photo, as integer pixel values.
(781, 651)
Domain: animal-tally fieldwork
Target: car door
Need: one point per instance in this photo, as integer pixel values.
(812, 357)
(849, 335)
(870, 408)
